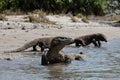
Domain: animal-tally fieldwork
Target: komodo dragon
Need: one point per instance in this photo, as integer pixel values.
(41, 42)
(88, 39)
(54, 55)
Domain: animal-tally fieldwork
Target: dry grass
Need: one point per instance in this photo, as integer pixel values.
(73, 18)
(39, 17)
(84, 19)
(11, 12)
(2, 17)
(80, 15)
(114, 18)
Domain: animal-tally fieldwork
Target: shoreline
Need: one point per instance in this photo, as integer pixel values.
(11, 39)
(19, 37)
(14, 34)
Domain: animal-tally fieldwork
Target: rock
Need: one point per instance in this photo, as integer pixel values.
(8, 59)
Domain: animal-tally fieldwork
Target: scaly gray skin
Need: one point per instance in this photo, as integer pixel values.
(100, 37)
(88, 39)
(53, 55)
(41, 42)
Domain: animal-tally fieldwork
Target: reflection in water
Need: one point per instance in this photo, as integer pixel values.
(56, 71)
(61, 72)
(104, 64)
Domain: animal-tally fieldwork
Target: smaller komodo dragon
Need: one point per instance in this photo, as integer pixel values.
(88, 39)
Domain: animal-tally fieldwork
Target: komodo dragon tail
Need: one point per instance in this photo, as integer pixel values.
(18, 49)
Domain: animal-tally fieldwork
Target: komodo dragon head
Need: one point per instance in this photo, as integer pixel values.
(101, 37)
(59, 42)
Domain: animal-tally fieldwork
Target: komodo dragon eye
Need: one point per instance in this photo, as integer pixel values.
(61, 38)
(64, 38)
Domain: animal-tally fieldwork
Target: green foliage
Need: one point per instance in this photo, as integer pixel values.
(8, 4)
(112, 5)
(2, 17)
(96, 7)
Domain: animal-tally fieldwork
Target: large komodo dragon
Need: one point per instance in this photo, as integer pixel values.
(88, 39)
(54, 55)
(41, 42)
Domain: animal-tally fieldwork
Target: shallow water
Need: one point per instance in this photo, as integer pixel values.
(104, 64)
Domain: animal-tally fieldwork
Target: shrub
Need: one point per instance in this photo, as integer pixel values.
(39, 17)
(84, 19)
(97, 7)
(8, 4)
(73, 19)
(2, 17)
